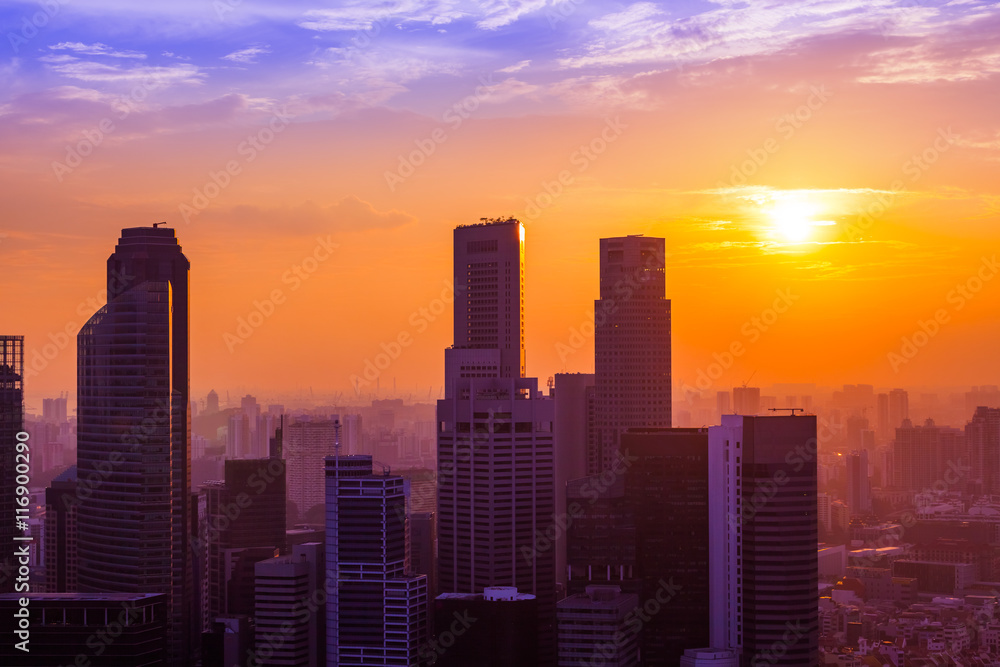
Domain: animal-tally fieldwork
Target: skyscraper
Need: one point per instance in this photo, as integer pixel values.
(574, 429)
(667, 486)
(489, 301)
(982, 436)
(746, 400)
(134, 432)
(305, 445)
(61, 557)
(495, 440)
(376, 612)
(763, 534)
(859, 485)
(899, 407)
(631, 343)
(11, 423)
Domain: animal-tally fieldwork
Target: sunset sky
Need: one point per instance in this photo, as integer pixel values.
(325, 152)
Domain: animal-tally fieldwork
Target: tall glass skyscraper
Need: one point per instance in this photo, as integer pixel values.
(133, 433)
(631, 345)
(11, 423)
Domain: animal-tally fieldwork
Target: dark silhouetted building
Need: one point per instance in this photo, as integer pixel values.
(495, 628)
(61, 557)
(600, 534)
(134, 432)
(763, 532)
(666, 484)
(631, 344)
(106, 629)
(574, 433)
(11, 423)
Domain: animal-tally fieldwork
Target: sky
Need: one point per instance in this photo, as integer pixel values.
(824, 173)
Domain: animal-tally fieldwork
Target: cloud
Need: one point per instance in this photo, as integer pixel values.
(96, 49)
(516, 67)
(155, 76)
(248, 55)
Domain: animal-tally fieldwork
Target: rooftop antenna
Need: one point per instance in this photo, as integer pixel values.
(794, 410)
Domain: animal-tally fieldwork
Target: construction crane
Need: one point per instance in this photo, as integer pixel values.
(794, 410)
(749, 378)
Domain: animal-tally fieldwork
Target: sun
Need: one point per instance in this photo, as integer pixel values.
(793, 219)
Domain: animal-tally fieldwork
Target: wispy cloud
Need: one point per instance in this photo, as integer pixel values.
(155, 76)
(96, 49)
(248, 55)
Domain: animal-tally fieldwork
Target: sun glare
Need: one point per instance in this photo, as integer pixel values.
(793, 219)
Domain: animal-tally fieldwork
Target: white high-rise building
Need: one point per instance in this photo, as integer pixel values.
(631, 344)
(763, 535)
(305, 445)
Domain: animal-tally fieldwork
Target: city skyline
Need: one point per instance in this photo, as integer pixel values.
(752, 138)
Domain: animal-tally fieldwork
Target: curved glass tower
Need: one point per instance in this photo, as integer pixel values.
(133, 442)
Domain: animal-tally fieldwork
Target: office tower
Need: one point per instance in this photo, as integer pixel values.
(722, 403)
(667, 486)
(376, 610)
(594, 627)
(246, 523)
(982, 436)
(763, 537)
(498, 432)
(54, 410)
(61, 556)
(352, 437)
(494, 426)
(746, 400)
(882, 417)
(423, 557)
(922, 454)
(238, 436)
(288, 632)
(212, 403)
(495, 628)
(899, 407)
(133, 432)
(574, 428)
(823, 511)
(489, 302)
(859, 485)
(11, 423)
(631, 343)
(600, 537)
(306, 445)
(93, 629)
